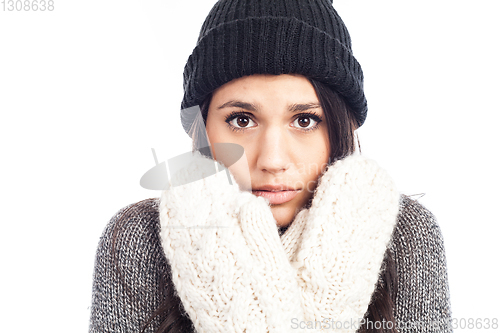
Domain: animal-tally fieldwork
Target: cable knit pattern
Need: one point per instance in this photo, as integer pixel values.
(227, 261)
(344, 237)
(233, 273)
(123, 302)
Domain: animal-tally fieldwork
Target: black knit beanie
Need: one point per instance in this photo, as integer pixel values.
(245, 37)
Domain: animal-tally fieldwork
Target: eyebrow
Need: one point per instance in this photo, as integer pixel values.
(252, 107)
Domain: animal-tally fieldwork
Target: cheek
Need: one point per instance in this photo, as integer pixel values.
(241, 173)
(313, 163)
(315, 160)
(218, 132)
(213, 129)
(309, 182)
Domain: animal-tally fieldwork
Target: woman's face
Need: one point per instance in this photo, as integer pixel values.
(279, 122)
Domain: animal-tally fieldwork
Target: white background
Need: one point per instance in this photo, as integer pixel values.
(87, 90)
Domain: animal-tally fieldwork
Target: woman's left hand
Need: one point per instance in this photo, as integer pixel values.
(337, 246)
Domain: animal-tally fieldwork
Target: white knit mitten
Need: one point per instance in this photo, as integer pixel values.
(337, 245)
(227, 261)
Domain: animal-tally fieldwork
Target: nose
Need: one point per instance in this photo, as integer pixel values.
(274, 151)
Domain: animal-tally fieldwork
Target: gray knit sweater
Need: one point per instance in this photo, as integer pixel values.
(127, 289)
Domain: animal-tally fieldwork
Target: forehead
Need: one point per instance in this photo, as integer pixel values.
(261, 90)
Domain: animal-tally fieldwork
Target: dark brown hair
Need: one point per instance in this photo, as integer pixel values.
(341, 125)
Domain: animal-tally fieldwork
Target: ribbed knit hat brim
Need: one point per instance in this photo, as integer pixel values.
(271, 45)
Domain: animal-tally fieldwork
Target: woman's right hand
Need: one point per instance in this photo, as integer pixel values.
(227, 261)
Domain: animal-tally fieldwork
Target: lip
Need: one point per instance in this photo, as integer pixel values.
(278, 187)
(276, 194)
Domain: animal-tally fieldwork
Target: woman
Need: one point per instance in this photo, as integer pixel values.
(323, 241)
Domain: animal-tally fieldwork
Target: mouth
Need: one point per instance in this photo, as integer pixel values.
(276, 197)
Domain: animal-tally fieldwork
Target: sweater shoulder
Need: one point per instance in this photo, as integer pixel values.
(417, 225)
(128, 264)
(418, 249)
(138, 217)
(131, 239)
(417, 237)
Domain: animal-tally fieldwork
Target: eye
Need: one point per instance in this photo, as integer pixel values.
(307, 121)
(239, 121)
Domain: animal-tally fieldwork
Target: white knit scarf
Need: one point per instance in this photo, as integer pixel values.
(234, 273)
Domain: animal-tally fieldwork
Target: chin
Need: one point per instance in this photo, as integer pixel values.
(283, 215)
